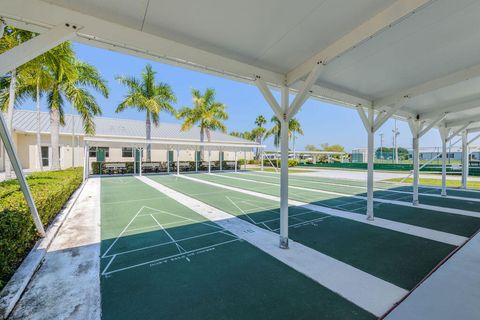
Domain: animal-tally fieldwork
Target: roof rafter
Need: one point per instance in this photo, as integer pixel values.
(432, 85)
(452, 108)
(367, 30)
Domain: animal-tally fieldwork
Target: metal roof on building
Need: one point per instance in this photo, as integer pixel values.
(26, 121)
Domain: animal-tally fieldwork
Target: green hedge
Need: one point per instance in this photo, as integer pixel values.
(50, 191)
(291, 163)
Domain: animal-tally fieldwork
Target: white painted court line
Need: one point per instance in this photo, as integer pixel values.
(375, 188)
(366, 291)
(399, 203)
(426, 233)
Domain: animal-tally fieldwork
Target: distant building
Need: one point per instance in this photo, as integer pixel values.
(71, 141)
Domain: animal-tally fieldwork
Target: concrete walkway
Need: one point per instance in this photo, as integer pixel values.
(451, 292)
(67, 284)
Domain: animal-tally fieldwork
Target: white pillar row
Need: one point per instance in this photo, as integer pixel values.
(261, 159)
(220, 159)
(465, 163)
(140, 162)
(444, 131)
(196, 160)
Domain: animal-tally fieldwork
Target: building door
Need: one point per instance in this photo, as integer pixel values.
(45, 156)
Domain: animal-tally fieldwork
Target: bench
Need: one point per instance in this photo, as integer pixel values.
(151, 167)
(112, 168)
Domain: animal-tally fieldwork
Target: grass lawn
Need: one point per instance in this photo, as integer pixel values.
(438, 182)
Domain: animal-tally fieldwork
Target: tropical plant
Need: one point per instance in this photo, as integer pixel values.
(293, 127)
(147, 96)
(207, 113)
(71, 81)
(259, 132)
(11, 38)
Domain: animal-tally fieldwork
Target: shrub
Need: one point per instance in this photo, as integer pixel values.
(291, 163)
(50, 191)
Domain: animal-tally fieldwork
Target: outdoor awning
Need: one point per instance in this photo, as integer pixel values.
(421, 54)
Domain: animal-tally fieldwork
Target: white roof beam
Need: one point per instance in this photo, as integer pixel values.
(462, 121)
(105, 34)
(432, 85)
(367, 30)
(36, 46)
(471, 104)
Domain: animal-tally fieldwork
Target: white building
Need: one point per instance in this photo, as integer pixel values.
(116, 137)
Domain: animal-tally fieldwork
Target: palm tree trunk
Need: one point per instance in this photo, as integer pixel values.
(148, 127)
(54, 131)
(11, 106)
(39, 147)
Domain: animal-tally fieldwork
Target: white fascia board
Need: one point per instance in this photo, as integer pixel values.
(392, 15)
(432, 85)
(105, 34)
(36, 46)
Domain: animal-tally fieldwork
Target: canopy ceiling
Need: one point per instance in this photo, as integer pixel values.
(423, 54)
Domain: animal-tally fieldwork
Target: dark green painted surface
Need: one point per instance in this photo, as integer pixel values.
(232, 280)
(393, 256)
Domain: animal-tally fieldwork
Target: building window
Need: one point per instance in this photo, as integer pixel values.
(92, 153)
(127, 152)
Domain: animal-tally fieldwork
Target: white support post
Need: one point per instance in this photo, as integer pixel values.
(415, 127)
(196, 160)
(209, 161)
(236, 161)
(220, 159)
(168, 160)
(85, 161)
(140, 162)
(284, 171)
(135, 161)
(465, 160)
(261, 160)
(370, 133)
(444, 131)
(15, 161)
(245, 160)
(178, 161)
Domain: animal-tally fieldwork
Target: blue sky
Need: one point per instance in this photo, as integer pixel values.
(321, 122)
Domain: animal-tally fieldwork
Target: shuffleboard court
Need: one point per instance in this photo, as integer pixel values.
(161, 260)
(395, 257)
(441, 221)
(426, 196)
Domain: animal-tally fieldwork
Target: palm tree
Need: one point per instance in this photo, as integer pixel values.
(207, 113)
(147, 96)
(71, 80)
(11, 38)
(259, 132)
(38, 79)
(293, 127)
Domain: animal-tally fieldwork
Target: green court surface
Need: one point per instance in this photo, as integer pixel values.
(384, 191)
(441, 221)
(396, 257)
(161, 260)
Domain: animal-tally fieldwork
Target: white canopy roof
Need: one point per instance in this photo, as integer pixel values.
(422, 54)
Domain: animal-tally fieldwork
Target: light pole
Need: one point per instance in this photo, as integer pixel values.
(395, 146)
